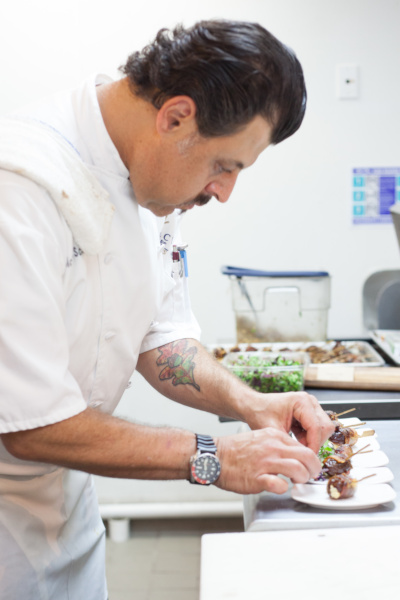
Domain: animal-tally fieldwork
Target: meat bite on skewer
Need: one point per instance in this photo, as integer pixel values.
(344, 435)
(348, 435)
(343, 486)
(336, 464)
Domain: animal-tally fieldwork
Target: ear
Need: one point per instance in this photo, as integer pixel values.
(176, 112)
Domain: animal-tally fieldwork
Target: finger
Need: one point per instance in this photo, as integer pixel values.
(317, 434)
(272, 483)
(313, 419)
(300, 464)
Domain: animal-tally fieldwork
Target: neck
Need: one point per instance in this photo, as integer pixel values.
(126, 117)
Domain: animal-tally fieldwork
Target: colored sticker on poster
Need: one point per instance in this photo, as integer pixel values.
(374, 191)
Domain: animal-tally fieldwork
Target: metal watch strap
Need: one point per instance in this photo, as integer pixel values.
(206, 460)
(205, 443)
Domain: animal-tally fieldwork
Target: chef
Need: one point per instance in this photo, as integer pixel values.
(93, 185)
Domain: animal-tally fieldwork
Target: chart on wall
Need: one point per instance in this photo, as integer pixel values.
(375, 189)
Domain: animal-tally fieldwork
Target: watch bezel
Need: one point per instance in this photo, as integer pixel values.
(194, 478)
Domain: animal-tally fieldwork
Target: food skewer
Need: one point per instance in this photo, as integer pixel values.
(345, 412)
(338, 463)
(348, 435)
(333, 415)
(343, 486)
(347, 450)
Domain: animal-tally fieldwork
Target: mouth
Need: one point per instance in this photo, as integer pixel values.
(200, 200)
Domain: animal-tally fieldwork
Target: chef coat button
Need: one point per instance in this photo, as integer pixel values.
(109, 335)
(108, 258)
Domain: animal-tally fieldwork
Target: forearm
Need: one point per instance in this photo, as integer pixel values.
(206, 384)
(105, 445)
(186, 372)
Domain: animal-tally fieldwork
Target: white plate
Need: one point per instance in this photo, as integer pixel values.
(376, 458)
(350, 421)
(381, 475)
(371, 442)
(366, 496)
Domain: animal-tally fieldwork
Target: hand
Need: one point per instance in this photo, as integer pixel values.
(252, 461)
(292, 411)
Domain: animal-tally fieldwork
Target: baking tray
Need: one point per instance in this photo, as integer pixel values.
(385, 338)
(368, 356)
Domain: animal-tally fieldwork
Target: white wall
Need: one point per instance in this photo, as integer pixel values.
(289, 211)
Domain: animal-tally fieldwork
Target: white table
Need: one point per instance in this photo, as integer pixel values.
(318, 564)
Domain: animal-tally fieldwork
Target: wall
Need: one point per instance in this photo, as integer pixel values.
(291, 210)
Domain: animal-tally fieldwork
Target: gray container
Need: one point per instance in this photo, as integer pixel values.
(275, 306)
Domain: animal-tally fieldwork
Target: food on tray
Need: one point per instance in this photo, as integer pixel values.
(336, 464)
(342, 352)
(343, 486)
(344, 450)
(336, 461)
(266, 373)
(338, 354)
(326, 450)
(348, 435)
(219, 353)
(344, 435)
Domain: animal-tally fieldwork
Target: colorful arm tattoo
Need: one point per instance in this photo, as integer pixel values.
(178, 361)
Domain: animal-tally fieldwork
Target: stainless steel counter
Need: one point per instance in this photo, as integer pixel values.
(270, 512)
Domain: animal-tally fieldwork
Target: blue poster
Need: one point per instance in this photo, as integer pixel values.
(374, 192)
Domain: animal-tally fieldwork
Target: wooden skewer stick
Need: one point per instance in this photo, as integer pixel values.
(366, 477)
(367, 433)
(345, 412)
(360, 450)
(358, 425)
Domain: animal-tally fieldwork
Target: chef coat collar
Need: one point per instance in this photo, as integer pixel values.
(102, 150)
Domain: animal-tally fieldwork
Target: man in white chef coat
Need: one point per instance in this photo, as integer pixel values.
(93, 184)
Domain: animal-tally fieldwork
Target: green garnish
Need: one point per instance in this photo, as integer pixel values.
(326, 450)
(262, 375)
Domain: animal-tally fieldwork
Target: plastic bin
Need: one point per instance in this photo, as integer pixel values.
(277, 306)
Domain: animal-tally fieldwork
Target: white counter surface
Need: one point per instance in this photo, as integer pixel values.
(318, 564)
(270, 512)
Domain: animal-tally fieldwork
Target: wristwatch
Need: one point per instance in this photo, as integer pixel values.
(205, 467)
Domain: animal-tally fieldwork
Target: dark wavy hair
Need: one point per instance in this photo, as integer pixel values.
(232, 70)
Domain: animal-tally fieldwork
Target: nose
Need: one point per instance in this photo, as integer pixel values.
(222, 187)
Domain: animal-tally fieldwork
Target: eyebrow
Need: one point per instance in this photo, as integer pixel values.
(232, 163)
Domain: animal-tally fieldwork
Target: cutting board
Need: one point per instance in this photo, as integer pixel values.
(353, 378)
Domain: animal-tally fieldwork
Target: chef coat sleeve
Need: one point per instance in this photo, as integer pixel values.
(36, 387)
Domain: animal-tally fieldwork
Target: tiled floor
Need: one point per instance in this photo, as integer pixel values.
(161, 560)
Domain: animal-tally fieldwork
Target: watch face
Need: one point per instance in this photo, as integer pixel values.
(206, 469)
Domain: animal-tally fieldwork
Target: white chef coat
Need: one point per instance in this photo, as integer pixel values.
(72, 327)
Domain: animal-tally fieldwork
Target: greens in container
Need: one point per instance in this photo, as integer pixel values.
(268, 371)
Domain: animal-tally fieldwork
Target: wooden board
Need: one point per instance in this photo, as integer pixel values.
(353, 378)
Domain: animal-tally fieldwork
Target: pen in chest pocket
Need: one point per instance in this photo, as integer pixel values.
(180, 272)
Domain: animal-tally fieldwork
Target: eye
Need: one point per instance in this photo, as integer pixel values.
(221, 169)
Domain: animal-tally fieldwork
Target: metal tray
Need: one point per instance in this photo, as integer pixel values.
(368, 356)
(382, 339)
